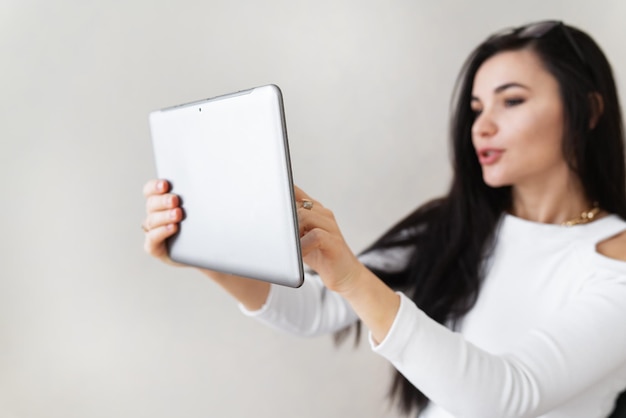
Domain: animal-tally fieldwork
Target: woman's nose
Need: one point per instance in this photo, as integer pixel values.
(484, 126)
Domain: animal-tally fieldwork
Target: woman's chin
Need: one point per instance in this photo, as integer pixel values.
(495, 182)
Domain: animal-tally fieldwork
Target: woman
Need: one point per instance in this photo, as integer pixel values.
(506, 297)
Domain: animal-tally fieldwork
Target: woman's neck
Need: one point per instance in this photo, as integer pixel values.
(550, 203)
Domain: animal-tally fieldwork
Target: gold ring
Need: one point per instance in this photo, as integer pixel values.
(307, 204)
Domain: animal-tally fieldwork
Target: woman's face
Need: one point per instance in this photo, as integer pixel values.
(518, 129)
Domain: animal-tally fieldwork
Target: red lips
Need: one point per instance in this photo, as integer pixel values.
(488, 156)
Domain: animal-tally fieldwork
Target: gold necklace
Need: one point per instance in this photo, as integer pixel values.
(585, 217)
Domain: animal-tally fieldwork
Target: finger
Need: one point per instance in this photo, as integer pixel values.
(300, 196)
(155, 186)
(162, 218)
(154, 243)
(162, 202)
(321, 218)
(312, 241)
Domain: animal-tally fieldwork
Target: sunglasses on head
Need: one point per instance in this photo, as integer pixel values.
(542, 29)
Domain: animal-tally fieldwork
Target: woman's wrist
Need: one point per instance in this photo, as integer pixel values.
(374, 302)
(252, 294)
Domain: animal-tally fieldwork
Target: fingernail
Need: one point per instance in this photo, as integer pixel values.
(161, 185)
(173, 214)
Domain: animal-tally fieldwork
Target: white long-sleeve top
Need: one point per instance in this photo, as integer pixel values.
(546, 337)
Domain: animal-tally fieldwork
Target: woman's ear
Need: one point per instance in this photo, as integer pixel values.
(596, 104)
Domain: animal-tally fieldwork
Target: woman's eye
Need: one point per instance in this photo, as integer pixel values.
(513, 102)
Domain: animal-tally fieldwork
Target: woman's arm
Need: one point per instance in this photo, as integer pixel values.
(325, 251)
(252, 294)
(574, 349)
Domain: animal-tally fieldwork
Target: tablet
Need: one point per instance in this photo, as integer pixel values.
(228, 160)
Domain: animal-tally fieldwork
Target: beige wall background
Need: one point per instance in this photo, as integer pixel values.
(90, 326)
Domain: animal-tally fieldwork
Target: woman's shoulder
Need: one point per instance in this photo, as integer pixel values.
(613, 247)
(610, 248)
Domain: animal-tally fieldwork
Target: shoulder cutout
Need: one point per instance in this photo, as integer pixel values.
(614, 247)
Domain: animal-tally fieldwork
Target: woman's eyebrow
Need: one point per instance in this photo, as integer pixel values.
(504, 87)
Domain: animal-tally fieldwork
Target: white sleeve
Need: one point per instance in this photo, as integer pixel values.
(577, 347)
(312, 309)
(309, 310)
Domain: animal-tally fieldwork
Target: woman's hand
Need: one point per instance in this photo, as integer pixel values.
(323, 247)
(326, 252)
(163, 216)
(161, 222)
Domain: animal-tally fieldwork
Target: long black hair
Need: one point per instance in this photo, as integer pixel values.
(453, 235)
